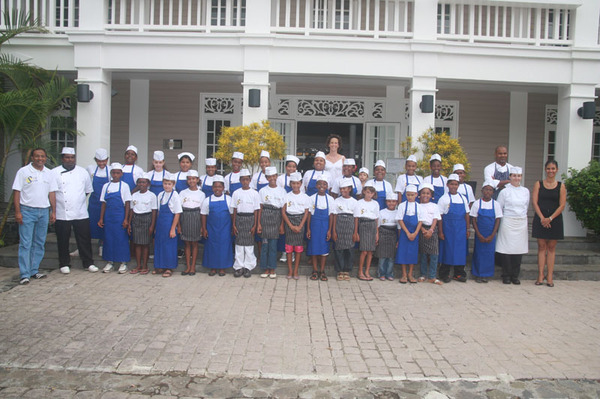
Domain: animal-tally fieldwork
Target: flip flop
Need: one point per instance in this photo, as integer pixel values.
(412, 281)
(362, 278)
(134, 271)
(144, 272)
(167, 273)
(403, 280)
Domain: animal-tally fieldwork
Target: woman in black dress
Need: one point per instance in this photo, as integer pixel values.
(549, 200)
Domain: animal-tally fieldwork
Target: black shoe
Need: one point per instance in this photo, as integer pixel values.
(38, 276)
(24, 281)
(180, 253)
(484, 280)
(505, 280)
(462, 279)
(515, 281)
(238, 273)
(191, 273)
(184, 273)
(446, 280)
(247, 273)
(478, 280)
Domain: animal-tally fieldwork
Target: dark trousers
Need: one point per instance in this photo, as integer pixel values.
(344, 259)
(81, 229)
(511, 265)
(459, 271)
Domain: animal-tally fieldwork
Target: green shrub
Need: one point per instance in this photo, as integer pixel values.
(583, 194)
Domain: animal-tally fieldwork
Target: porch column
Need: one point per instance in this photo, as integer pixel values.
(93, 118)
(425, 11)
(138, 118)
(517, 130)
(92, 15)
(419, 121)
(573, 140)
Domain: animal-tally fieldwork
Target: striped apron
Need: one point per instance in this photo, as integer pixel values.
(367, 229)
(140, 228)
(243, 223)
(291, 238)
(270, 221)
(191, 223)
(344, 227)
(388, 238)
(429, 246)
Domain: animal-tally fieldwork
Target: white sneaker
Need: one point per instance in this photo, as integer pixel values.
(75, 253)
(108, 268)
(123, 268)
(65, 270)
(264, 275)
(92, 268)
(100, 250)
(283, 258)
(273, 275)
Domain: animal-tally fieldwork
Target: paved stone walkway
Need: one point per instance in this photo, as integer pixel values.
(284, 329)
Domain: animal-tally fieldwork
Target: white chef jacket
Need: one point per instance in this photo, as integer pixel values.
(34, 186)
(71, 197)
(514, 201)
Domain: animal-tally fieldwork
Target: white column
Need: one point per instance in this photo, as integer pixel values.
(394, 102)
(517, 130)
(419, 121)
(256, 76)
(138, 118)
(93, 118)
(425, 13)
(573, 139)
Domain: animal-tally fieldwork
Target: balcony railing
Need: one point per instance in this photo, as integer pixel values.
(502, 24)
(55, 15)
(370, 18)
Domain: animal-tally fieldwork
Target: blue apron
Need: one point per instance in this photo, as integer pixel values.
(206, 189)
(281, 240)
(218, 249)
(95, 206)
(180, 185)
(260, 185)
(499, 176)
(437, 190)
(319, 225)
(311, 188)
(233, 186)
(165, 247)
(467, 193)
(129, 179)
(116, 240)
(408, 251)
(156, 186)
(406, 185)
(381, 195)
(454, 246)
(287, 187)
(483, 253)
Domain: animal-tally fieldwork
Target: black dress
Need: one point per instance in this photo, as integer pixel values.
(548, 201)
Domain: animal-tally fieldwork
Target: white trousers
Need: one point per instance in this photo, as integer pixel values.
(244, 257)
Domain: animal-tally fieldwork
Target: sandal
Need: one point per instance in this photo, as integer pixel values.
(143, 272)
(539, 283)
(421, 279)
(412, 280)
(222, 273)
(362, 277)
(368, 277)
(340, 277)
(314, 276)
(212, 272)
(323, 276)
(403, 280)
(437, 282)
(346, 276)
(167, 273)
(134, 271)
(157, 271)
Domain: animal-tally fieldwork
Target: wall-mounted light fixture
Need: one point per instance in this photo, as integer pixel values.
(588, 111)
(254, 98)
(426, 104)
(84, 94)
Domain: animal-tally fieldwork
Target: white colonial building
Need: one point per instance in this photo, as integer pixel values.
(167, 74)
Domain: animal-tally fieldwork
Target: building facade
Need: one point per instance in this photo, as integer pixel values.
(167, 74)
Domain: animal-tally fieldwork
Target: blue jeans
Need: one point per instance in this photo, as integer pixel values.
(429, 269)
(268, 254)
(386, 267)
(32, 238)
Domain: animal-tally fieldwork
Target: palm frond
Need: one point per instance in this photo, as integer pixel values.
(18, 22)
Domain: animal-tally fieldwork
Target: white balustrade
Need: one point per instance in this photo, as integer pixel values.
(56, 15)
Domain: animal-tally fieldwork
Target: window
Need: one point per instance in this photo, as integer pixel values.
(596, 144)
(342, 14)
(62, 133)
(213, 131)
(382, 142)
(551, 145)
(219, 13)
(443, 18)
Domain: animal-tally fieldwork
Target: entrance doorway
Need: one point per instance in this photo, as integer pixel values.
(311, 137)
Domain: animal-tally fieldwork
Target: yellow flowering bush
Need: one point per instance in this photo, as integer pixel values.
(251, 140)
(436, 143)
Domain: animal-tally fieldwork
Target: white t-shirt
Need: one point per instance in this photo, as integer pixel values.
(245, 201)
(322, 203)
(274, 196)
(367, 209)
(111, 187)
(137, 171)
(231, 178)
(283, 181)
(205, 208)
(466, 190)
(91, 169)
(34, 186)
(191, 199)
(387, 218)
(514, 201)
(143, 202)
(486, 205)
(308, 176)
(174, 202)
(429, 212)
(440, 181)
(410, 210)
(401, 182)
(258, 178)
(345, 205)
(444, 202)
(335, 187)
(71, 196)
(296, 204)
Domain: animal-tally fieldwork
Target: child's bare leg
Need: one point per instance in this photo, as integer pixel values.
(410, 272)
(145, 253)
(368, 267)
(314, 260)
(323, 260)
(361, 263)
(194, 256)
(138, 255)
(404, 276)
(289, 262)
(297, 264)
(188, 253)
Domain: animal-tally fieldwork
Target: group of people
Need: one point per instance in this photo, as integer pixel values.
(422, 221)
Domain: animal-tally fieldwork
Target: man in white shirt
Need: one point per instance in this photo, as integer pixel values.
(74, 185)
(498, 171)
(33, 195)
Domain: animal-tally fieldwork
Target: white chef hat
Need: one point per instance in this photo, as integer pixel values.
(183, 154)
(349, 161)
(147, 176)
(458, 166)
(218, 179)
(391, 196)
(324, 178)
(270, 171)
(192, 173)
(516, 170)
(158, 156)
(411, 158)
(369, 183)
(411, 188)
(132, 148)
(116, 166)
(238, 155)
(292, 158)
(454, 177)
(265, 153)
(320, 154)
(426, 185)
(490, 183)
(211, 162)
(380, 163)
(346, 182)
(245, 172)
(364, 170)
(296, 176)
(169, 176)
(68, 151)
(435, 157)
(101, 154)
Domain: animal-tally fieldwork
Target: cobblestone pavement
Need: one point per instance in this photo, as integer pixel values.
(227, 331)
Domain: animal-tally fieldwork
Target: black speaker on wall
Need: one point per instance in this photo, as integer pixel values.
(254, 98)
